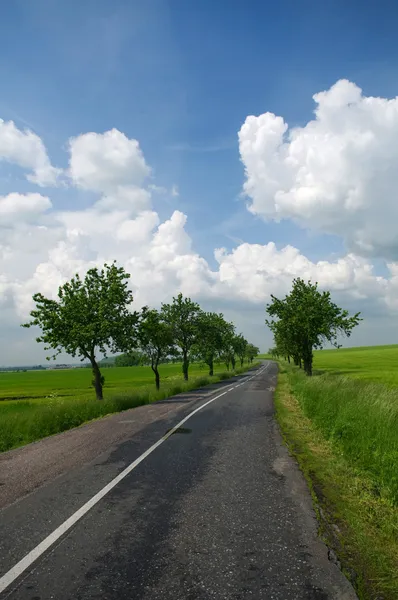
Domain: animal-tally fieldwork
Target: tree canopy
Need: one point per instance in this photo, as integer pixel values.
(129, 359)
(251, 352)
(306, 319)
(91, 315)
(182, 316)
(155, 337)
(240, 345)
(212, 329)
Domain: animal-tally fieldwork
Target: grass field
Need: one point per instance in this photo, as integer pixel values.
(342, 424)
(356, 516)
(74, 383)
(353, 399)
(371, 363)
(35, 404)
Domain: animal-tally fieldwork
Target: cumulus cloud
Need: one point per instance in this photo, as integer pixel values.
(102, 162)
(22, 207)
(41, 248)
(254, 271)
(337, 174)
(26, 149)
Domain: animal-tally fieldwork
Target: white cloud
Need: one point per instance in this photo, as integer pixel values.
(254, 271)
(162, 262)
(127, 198)
(337, 174)
(26, 149)
(103, 162)
(158, 189)
(175, 191)
(19, 207)
(40, 249)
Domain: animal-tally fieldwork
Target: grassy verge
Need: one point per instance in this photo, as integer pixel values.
(25, 421)
(345, 436)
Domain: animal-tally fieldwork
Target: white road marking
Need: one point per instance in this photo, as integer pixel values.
(34, 554)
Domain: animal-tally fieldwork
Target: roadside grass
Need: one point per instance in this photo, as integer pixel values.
(344, 433)
(25, 421)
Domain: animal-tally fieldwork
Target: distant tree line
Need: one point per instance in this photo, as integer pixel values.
(304, 320)
(23, 368)
(94, 315)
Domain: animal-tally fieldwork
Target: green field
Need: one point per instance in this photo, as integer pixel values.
(344, 431)
(353, 399)
(371, 363)
(35, 404)
(76, 383)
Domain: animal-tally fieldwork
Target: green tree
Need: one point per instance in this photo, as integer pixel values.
(89, 316)
(307, 319)
(155, 338)
(286, 340)
(240, 346)
(129, 359)
(252, 351)
(182, 316)
(227, 355)
(273, 352)
(211, 330)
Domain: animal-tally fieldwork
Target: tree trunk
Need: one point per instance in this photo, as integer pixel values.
(307, 358)
(97, 379)
(211, 367)
(185, 366)
(233, 362)
(227, 365)
(241, 362)
(154, 368)
(307, 367)
(300, 364)
(288, 359)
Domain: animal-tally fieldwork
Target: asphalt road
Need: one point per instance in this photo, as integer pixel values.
(216, 510)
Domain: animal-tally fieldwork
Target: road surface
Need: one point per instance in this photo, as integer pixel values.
(214, 509)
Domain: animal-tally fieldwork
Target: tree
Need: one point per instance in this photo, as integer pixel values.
(227, 354)
(129, 359)
(89, 315)
(251, 352)
(155, 338)
(211, 330)
(240, 345)
(182, 316)
(307, 319)
(285, 339)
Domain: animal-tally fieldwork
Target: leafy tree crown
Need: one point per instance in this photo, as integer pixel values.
(89, 314)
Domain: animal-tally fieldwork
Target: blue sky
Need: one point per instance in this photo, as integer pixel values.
(182, 77)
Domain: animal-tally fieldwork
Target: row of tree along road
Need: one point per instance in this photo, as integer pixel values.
(94, 315)
(305, 320)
